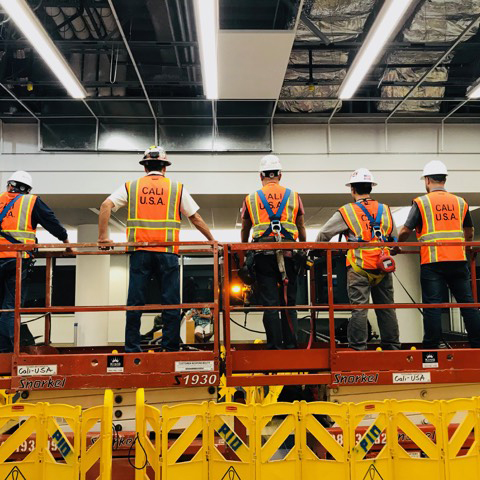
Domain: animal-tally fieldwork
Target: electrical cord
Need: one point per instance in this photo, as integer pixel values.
(137, 439)
(419, 309)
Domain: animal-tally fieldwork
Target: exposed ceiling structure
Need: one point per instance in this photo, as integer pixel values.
(278, 60)
(423, 74)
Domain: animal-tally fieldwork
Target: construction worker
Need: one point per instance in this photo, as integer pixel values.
(20, 214)
(366, 220)
(442, 216)
(275, 213)
(155, 204)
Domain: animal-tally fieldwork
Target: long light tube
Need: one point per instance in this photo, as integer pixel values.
(206, 12)
(382, 29)
(28, 23)
(474, 90)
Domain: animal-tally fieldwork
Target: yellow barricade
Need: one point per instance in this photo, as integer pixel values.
(231, 430)
(389, 440)
(322, 453)
(186, 425)
(461, 450)
(147, 449)
(101, 451)
(429, 464)
(277, 441)
(365, 462)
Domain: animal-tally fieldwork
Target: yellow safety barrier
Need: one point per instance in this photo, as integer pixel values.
(42, 428)
(389, 440)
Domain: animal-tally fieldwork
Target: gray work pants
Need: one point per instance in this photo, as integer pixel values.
(359, 290)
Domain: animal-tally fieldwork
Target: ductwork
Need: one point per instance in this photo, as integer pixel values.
(339, 20)
(95, 67)
(436, 21)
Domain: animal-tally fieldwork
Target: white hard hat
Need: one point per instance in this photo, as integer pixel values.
(21, 177)
(435, 167)
(269, 163)
(155, 153)
(362, 175)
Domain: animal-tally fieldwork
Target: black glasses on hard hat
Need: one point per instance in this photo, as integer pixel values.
(19, 187)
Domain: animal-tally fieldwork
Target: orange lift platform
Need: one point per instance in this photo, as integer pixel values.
(48, 367)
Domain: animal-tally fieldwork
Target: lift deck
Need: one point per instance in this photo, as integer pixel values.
(46, 367)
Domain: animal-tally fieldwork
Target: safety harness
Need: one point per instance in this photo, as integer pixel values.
(386, 263)
(278, 230)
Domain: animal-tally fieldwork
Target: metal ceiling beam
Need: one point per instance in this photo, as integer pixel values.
(134, 64)
(314, 29)
(96, 44)
(19, 101)
(422, 80)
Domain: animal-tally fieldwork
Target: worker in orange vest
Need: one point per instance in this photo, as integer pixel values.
(442, 216)
(275, 213)
(369, 269)
(155, 205)
(20, 213)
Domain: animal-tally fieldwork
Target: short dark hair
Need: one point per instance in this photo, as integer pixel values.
(154, 165)
(362, 188)
(268, 173)
(438, 178)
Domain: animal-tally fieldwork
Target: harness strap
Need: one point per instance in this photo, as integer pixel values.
(275, 217)
(373, 278)
(374, 222)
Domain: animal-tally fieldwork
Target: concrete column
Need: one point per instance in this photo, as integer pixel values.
(92, 288)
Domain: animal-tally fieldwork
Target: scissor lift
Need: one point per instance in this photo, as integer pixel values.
(244, 364)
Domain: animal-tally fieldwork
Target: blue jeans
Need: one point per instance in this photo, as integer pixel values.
(435, 278)
(164, 266)
(7, 301)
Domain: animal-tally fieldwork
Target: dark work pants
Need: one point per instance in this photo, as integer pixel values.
(434, 277)
(143, 265)
(7, 301)
(271, 293)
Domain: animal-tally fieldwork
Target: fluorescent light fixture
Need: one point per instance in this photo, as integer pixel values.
(382, 29)
(474, 90)
(28, 23)
(206, 12)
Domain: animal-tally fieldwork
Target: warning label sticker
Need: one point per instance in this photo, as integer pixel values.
(200, 366)
(430, 359)
(115, 364)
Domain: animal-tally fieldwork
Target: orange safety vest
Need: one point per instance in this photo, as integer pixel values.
(274, 195)
(154, 212)
(18, 221)
(359, 224)
(442, 220)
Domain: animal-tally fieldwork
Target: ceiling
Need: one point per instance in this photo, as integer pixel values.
(276, 63)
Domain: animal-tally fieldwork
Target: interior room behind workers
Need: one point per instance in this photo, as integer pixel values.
(366, 220)
(20, 214)
(155, 206)
(275, 213)
(442, 216)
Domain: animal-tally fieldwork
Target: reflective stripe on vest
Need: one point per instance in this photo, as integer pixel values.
(442, 220)
(259, 216)
(154, 212)
(359, 225)
(18, 222)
